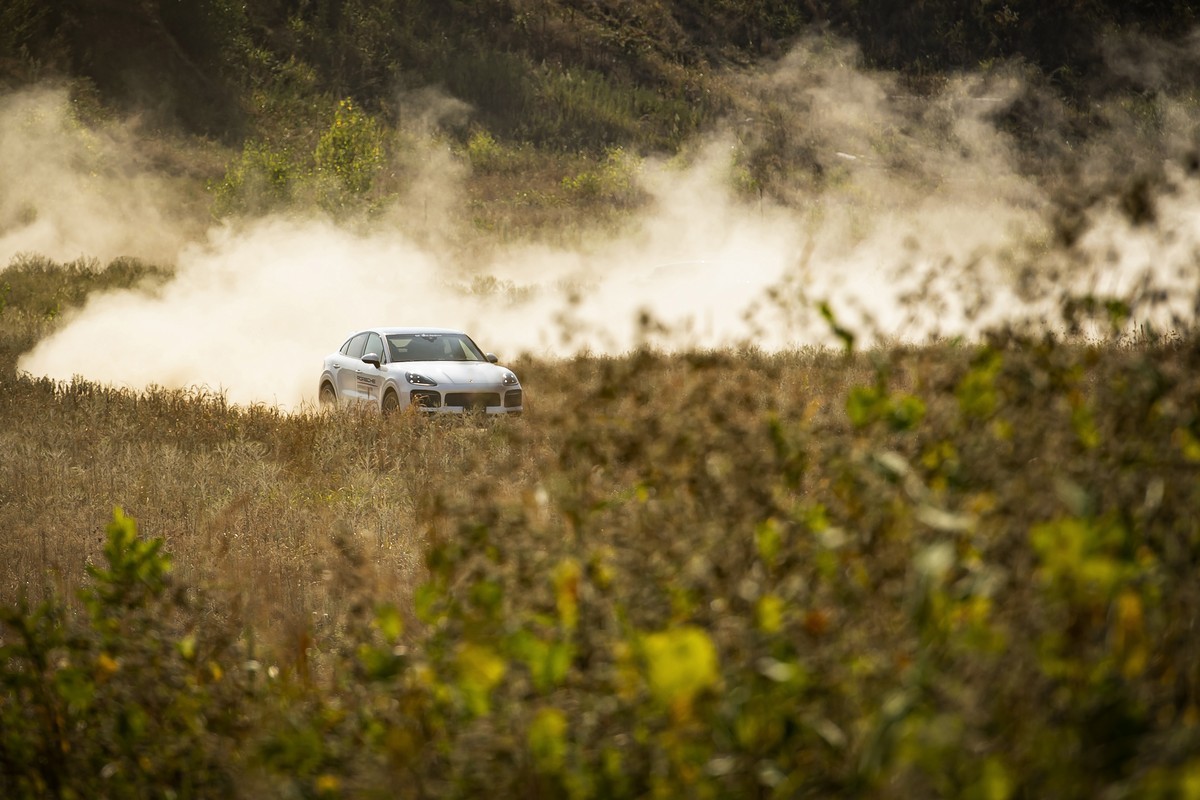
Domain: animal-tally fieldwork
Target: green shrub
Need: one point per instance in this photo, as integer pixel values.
(486, 155)
(352, 150)
(133, 701)
(261, 180)
(613, 181)
(24, 28)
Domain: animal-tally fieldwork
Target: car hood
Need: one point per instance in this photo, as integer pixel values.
(454, 372)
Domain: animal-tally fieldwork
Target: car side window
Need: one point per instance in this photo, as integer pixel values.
(374, 345)
(354, 348)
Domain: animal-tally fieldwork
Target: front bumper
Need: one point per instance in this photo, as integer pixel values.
(504, 401)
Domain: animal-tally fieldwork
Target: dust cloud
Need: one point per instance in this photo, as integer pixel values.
(909, 219)
(70, 191)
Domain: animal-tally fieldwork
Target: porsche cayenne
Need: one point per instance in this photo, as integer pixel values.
(437, 370)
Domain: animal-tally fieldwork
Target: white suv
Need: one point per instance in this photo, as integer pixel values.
(434, 369)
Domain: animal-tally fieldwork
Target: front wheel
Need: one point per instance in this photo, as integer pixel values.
(327, 396)
(391, 403)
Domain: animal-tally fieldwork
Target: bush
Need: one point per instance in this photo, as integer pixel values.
(929, 571)
(261, 180)
(613, 181)
(136, 700)
(352, 150)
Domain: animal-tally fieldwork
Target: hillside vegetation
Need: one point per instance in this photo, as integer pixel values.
(232, 69)
(961, 568)
(546, 78)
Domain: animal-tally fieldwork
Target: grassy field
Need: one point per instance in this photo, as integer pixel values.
(948, 570)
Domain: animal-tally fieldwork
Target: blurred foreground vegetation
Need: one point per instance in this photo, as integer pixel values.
(951, 570)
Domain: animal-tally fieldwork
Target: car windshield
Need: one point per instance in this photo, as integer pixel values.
(432, 347)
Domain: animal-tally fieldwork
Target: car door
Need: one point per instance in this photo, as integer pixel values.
(346, 368)
(369, 381)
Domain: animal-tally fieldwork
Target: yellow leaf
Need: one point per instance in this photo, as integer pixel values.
(681, 662)
(1188, 444)
(1189, 782)
(106, 664)
(995, 783)
(566, 592)
(1127, 633)
(327, 784)
(770, 613)
(187, 647)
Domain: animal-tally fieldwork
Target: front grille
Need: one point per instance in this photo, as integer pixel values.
(512, 398)
(473, 401)
(425, 398)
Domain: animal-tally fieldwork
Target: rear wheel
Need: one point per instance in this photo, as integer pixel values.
(328, 396)
(391, 403)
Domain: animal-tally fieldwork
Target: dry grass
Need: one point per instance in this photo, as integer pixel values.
(920, 571)
(256, 503)
(261, 503)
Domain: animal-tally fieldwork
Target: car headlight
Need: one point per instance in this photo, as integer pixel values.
(419, 380)
(510, 379)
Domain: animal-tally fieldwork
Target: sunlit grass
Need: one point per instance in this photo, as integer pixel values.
(942, 534)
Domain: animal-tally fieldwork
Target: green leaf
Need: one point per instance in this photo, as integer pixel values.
(75, 687)
(976, 392)
(548, 662)
(428, 601)
(906, 412)
(548, 740)
(863, 406)
(480, 669)
(379, 663)
(389, 622)
(845, 335)
(768, 539)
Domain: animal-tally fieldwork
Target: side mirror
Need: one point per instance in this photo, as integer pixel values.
(372, 359)
(491, 357)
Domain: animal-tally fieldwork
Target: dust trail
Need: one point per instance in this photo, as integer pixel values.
(252, 310)
(69, 191)
(910, 219)
(249, 312)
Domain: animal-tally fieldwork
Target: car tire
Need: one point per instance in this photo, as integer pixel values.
(328, 396)
(391, 403)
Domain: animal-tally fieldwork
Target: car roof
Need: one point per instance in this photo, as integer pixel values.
(416, 330)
